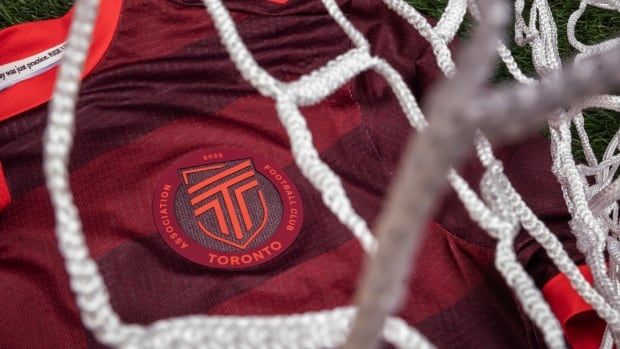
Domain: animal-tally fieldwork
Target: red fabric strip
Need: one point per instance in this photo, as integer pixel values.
(5, 194)
(27, 39)
(582, 327)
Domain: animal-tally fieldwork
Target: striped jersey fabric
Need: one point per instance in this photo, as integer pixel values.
(161, 86)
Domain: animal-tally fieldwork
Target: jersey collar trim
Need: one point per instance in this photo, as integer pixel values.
(27, 39)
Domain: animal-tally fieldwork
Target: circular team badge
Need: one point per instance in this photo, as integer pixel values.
(227, 208)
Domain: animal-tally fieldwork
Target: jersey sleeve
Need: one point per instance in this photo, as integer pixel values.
(582, 327)
(529, 168)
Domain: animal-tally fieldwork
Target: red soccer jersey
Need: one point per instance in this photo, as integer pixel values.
(174, 152)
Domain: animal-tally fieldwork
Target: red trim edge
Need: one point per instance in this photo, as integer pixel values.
(582, 327)
(27, 39)
(5, 194)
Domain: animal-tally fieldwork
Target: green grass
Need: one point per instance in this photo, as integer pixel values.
(596, 25)
(19, 11)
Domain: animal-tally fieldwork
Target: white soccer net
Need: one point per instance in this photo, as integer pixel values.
(590, 191)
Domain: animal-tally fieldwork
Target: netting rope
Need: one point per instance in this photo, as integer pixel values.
(500, 211)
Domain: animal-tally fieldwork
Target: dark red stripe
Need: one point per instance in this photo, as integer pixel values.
(487, 317)
(154, 282)
(114, 193)
(446, 270)
(121, 102)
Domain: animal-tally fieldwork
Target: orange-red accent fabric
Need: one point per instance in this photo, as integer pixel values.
(5, 194)
(27, 39)
(582, 327)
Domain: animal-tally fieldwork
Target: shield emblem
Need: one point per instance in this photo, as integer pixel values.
(228, 203)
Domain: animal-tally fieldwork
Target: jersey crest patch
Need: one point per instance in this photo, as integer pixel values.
(227, 209)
